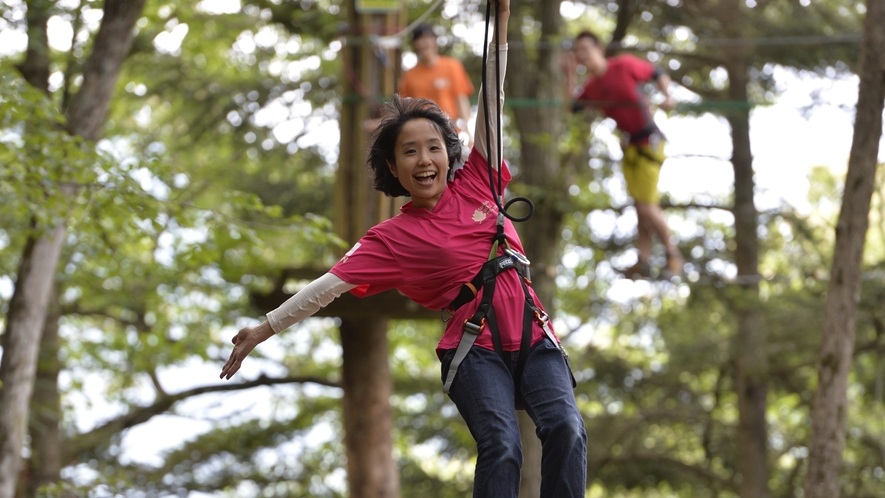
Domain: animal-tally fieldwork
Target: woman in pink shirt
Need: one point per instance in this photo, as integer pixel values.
(439, 241)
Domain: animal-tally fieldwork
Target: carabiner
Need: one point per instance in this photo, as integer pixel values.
(518, 257)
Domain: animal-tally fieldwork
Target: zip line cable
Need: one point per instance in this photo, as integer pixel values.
(681, 107)
(395, 40)
(698, 278)
(761, 41)
(663, 47)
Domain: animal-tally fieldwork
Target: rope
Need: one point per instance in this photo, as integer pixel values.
(497, 193)
(393, 41)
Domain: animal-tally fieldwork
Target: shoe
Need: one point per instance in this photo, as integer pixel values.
(638, 271)
(673, 267)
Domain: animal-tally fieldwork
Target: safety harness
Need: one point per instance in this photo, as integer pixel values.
(485, 280)
(484, 317)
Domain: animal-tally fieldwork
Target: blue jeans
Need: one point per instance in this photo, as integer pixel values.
(484, 394)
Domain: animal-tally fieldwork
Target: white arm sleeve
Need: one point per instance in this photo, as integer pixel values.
(307, 301)
(479, 134)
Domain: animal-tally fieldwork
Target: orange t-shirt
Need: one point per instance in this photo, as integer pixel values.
(442, 83)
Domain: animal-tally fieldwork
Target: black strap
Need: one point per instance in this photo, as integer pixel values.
(644, 133)
(525, 344)
(529, 312)
(493, 326)
(489, 270)
(644, 153)
(486, 280)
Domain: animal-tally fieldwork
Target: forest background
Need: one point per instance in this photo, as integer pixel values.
(207, 191)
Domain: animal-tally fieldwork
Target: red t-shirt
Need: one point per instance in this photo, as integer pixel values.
(428, 255)
(619, 94)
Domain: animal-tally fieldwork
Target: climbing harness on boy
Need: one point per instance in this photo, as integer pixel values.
(485, 280)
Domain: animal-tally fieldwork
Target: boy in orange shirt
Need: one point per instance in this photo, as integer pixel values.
(439, 78)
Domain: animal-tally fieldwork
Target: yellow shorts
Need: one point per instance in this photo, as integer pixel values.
(642, 167)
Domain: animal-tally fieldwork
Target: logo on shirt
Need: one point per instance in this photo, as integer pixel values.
(484, 211)
(441, 83)
(350, 252)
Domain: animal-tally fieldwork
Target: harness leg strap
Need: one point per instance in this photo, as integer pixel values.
(471, 332)
(528, 315)
(545, 324)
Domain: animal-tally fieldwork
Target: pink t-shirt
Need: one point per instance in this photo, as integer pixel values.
(428, 255)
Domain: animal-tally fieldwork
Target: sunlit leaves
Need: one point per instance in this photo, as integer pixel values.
(40, 157)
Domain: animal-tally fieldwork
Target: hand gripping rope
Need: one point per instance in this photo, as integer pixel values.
(511, 260)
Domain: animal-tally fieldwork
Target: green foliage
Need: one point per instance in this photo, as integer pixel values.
(42, 162)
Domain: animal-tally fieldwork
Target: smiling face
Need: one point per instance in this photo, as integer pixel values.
(421, 162)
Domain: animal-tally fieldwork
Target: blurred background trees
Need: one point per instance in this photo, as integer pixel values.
(210, 193)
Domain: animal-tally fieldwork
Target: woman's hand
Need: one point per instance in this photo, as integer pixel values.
(244, 342)
(500, 38)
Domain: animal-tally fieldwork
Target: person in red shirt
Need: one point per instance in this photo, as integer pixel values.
(439, 242)
(614, 86)
(439, 78)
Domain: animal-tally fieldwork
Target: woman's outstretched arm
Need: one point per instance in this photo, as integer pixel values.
(480, 140)
(305, 303)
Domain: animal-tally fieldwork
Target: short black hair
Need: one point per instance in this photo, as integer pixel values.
(588, 34)
(382, 148)
(422, 30)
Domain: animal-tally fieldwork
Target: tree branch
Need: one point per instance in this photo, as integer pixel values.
(650, 457)
(35, 67)
(665, 204)
(96, 438)
(71, 62)
(139, 322)
(89, 107)
(626, 10)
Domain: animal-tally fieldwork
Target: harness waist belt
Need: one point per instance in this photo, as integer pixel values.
(490, 269)
(643, 133)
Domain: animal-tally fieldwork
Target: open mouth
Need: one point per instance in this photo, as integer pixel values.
(426, 177)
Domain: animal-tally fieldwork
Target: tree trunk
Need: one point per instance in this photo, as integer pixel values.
(830, 410)
(19, 349)
(750, 355)
(27, 314)
(539, 78)
(45, 461)
(27, 310)
(368, 421)
(371, 470)
(530, 477)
